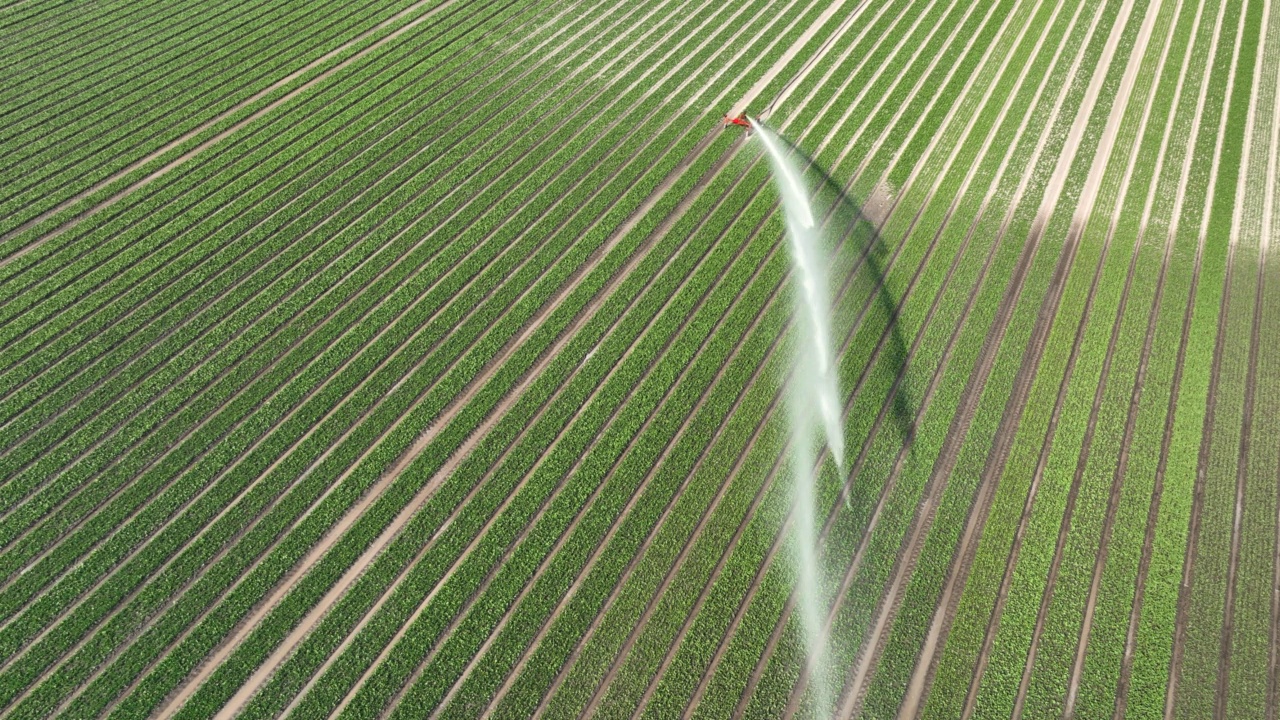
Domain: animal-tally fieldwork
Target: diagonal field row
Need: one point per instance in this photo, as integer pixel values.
(404, 359)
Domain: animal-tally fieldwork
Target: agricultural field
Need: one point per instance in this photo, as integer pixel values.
(430, 359)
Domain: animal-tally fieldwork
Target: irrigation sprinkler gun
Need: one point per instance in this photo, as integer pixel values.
(741, 119)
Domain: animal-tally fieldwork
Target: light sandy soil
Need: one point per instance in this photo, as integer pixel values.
(949, 599)
(366, 454)
(606, 541)
(205, 127)
(1197, 504)
(393, 530)
(755, 582)
(795, 48)
(282, 652)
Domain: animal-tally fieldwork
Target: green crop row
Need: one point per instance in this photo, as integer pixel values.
(49, 104)
(56, 181)
(583, 683)
(326, 203)
(249, 342)
(884, 455)
(1249, 684)
(854, 417)
(959, 653)
(81, 268)
(1088, 260)
(80, 32)
(1215, 472)
(1152, 650)
(256, 638)
(957, 495)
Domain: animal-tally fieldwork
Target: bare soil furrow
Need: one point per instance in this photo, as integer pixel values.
(735, 622)
(1022, 384)
(385, 481)
(192, 135)
(1197, 504)
(299, 192)
(446, 470)
(312, 466)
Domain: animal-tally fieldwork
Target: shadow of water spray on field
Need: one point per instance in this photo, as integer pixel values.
(853, 223)
(821, 216)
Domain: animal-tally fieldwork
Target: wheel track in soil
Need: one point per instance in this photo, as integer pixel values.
(1007, 579)
(499, 411)
(43, 50)
(150, 348)
(599, 615)
(256, 445)
(723, 645)
(439, 477)
(1004, 436)
(668, 578)
(966, 550)
(1246, 429)
(861, 168)
(444, 635)
(775, 638)
(621, 655)
(1268, 230)
(124, 174)
(616, 236)
(101, 155)
(27, 355)
(385, 479)
(329, 316)
(615, 667)
(642, 487)
(1184, 597)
